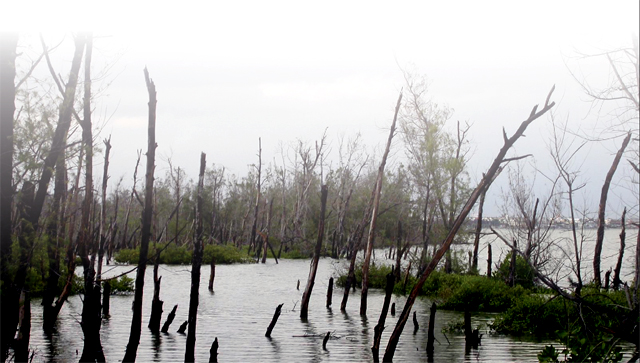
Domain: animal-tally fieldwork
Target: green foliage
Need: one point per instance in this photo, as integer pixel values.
(224, 254)
(534, 315)
(122, 285)
(548, 355)
(181, 255)
(525, 276)
(377, 276)
(476, 293)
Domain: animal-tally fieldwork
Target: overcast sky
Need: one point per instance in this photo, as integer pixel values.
(227, 74)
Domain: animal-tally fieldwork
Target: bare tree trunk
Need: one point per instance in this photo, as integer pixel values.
(136, 320)
(623, 234)
(377, 336)
(8, 44)
(476, 241)
(252, 239)
(91, 309)
(489, 262)
(484, 184)
(430, 334)
(123, 244)
(103, 210)
(156, 303)
(196, 262)
(304, 307)
(49, 313)
(601, 211)
(374, 214)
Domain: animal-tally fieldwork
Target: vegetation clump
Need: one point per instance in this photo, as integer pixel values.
(170, 254)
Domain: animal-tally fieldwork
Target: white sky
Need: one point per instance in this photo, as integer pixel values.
(228, 73)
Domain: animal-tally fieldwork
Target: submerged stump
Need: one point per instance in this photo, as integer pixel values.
(274, 320)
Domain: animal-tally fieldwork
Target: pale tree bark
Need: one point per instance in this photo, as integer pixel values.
(196, 262)
(601, 210)
(306, 297)
(374, 213)
(136, 320)
(484, 183)
(252, 239)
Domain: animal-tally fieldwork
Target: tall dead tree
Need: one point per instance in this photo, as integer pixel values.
(304, 307)
(374, 213)
(91, 310)
(476, 241)
(103, 209)
(196, 262)
(484, 183)
(601, 211)
(136, 320)
(252, 239)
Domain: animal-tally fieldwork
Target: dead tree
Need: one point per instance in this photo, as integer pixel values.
(306, 296)
(172, 315)
(252, 239)
(274, 320)
(601, 211)
(476, 241)
(156, 303)
(623, 234)
(196, 263)
(103, 210)
(377, 336)
(136, 320)
(430, 334)
(91, 309)
(374, 214)
(484, 183)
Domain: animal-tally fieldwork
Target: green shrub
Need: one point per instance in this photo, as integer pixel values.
(525, 276)
(535, 315)
(182, 255)
(377, 276)
(122, 285)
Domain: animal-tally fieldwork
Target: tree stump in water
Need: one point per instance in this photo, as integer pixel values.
(172, 315)
(106, 293)
(274, 320)
(298, 286)
(415, 323)
(325, 340)
(213, 352)
(430, 334)
(393, 309)
(471, 337)
(330, 292)
(212, 275)
(183, 327)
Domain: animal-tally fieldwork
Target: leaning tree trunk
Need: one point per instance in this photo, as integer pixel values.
(196, 262)
(304, 308)
(601, 211)
(136, 320)
(484, 183)
(374, 214)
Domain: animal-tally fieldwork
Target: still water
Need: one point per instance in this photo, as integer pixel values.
(242, 305)
(240, 309)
